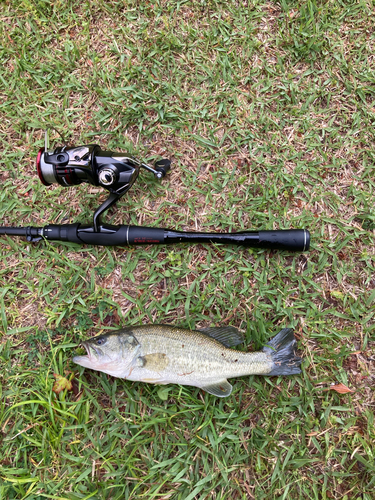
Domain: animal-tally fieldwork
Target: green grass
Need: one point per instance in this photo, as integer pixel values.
(267, 111)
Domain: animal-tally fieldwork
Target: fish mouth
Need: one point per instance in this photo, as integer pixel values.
(91, 350)
(87, 348)
(88, 360)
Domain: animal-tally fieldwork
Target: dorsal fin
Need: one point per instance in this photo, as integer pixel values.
(227, 335)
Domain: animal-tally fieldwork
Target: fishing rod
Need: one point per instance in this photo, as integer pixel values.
(116, 172)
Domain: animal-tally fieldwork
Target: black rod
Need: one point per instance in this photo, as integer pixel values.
(14, 231)
(30, 233)
(290, 239)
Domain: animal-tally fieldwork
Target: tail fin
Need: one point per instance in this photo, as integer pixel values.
(281, 348)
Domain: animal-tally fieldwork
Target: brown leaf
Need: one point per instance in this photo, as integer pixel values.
(340, 388)
(61, 384)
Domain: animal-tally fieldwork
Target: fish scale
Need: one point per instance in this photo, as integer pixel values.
(191, 350)
(163, 354)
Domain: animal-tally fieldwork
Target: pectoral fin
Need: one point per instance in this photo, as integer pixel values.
(221, 388)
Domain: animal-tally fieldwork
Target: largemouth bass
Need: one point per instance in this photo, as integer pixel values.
(163, 354)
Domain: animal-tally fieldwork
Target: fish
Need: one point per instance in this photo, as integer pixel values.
(165, 354)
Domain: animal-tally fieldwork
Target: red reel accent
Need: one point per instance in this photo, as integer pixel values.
(38, 168)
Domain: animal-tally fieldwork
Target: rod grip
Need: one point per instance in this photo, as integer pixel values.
(139, 235)
(120, 235)
(285, 239)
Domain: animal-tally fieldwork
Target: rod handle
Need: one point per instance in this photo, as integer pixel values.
(285, 239)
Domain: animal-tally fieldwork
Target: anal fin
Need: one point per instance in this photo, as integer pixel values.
(221, 388)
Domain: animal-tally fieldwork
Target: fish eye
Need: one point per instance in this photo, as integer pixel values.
(100, 341)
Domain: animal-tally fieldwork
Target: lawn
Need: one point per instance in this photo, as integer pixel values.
(267, 111)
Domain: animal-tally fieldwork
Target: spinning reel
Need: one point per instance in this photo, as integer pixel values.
(115, 172)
